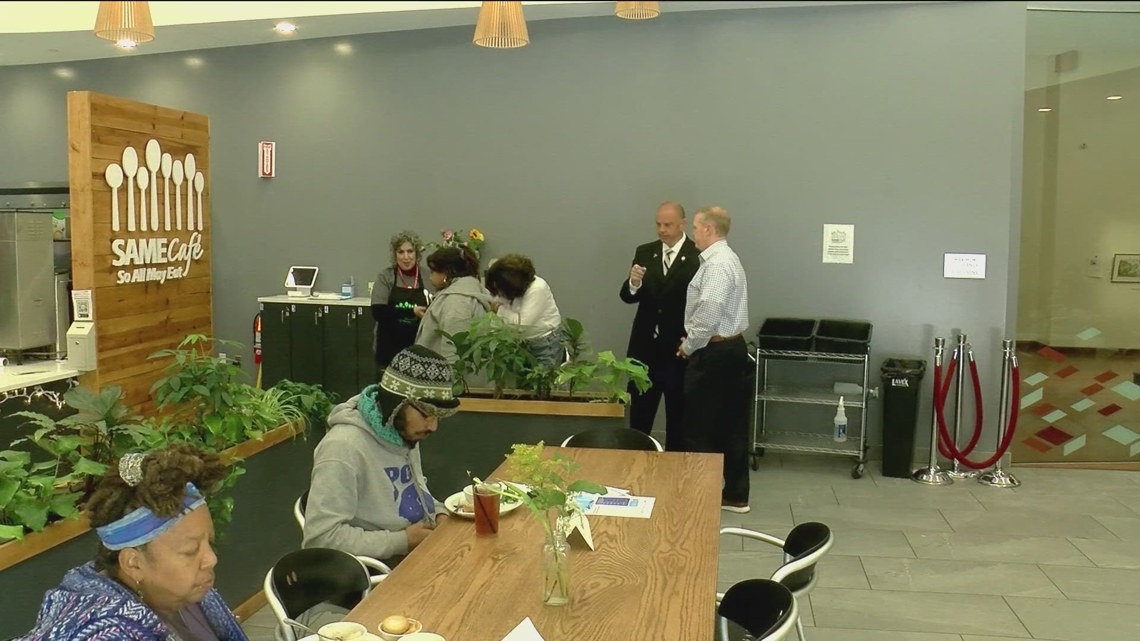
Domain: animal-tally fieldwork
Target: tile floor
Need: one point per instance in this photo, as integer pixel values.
(1057, 558)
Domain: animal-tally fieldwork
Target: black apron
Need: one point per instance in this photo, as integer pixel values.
(402, 332)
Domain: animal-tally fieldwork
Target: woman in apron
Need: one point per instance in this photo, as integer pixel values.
(399, 297)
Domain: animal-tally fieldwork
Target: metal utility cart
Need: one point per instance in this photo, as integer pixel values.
(770, 389)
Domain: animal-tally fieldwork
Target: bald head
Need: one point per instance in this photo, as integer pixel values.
(670, 222)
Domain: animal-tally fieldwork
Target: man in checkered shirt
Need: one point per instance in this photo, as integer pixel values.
(717, 394)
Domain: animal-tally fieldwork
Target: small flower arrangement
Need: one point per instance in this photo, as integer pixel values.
(541, 485)
(472, 239)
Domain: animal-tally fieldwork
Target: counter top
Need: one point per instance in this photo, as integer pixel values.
(19, 376)
(358, 301)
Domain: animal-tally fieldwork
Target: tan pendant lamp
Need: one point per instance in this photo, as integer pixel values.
(638, 10)
(501, 26)
(124, 23)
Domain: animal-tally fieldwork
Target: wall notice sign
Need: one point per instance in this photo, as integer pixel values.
(266, 159)
(964, 266)
(838, 243)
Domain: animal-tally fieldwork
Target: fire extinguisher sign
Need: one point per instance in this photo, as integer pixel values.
(266, 159)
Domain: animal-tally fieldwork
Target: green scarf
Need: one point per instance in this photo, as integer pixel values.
(370, 410)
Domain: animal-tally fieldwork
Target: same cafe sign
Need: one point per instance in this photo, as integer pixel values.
(162, 256)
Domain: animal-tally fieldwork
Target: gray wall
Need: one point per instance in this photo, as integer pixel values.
(903, 120)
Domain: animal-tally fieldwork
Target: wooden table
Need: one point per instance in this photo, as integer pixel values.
(652, 579)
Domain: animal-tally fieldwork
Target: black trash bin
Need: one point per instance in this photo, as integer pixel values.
(902, 380)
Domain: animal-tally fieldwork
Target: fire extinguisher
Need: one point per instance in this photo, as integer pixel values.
(257, 339)
(257, 346)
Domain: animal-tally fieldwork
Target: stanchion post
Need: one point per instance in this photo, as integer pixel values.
(932, 474)
(998, 477)
(959, 471)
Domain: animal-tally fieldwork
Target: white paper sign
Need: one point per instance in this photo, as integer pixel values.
(81, 302)
(579, 534)
(838, 243)
(524, 631)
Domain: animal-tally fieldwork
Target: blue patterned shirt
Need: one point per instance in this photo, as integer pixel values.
(717, 299)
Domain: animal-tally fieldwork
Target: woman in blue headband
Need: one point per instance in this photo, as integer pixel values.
(153, 576)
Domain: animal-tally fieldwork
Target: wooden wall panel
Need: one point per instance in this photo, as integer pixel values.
(134, 319)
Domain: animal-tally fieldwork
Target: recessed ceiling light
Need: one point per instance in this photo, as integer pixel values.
(285, 27)
(1114, 98)
(1044, 109)
(126, 43)
(194, 62)
(64, 72)
(343, 48)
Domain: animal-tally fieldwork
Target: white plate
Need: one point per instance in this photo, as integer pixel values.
(454, 502)
(367, 637)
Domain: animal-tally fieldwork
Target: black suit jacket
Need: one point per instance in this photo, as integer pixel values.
(660, 300)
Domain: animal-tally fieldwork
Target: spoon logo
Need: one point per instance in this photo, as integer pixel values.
(159, 256)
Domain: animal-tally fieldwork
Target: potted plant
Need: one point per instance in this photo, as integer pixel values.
(541, 484)
(526, 402)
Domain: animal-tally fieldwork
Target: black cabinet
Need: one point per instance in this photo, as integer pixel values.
(318, 343)
(275, 326)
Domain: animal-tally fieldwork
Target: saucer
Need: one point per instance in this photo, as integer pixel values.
(454, 505)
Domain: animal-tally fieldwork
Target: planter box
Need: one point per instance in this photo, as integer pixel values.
(481, 434)
(262, 530)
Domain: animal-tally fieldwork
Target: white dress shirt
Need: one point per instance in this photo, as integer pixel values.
(676, 247)
(717, 300)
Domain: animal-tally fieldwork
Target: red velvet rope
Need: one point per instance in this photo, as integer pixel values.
(977, 385)
(947, 440)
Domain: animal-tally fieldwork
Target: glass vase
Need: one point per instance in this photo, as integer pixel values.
(556, 568)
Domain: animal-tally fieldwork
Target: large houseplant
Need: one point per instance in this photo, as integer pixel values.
(541, 483)
(201, 400)
(497, 350)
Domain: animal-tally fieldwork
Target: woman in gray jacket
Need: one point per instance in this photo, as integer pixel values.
(459, 299)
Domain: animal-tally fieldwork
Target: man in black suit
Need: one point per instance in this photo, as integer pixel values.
(657, 282)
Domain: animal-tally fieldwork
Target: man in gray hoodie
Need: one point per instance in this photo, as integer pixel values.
(368, 495)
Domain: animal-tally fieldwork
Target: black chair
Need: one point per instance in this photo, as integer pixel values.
(299, 580)
(805, 546)
(764, 608)
(614, 438)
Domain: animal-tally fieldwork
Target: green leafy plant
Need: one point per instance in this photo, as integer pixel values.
(494, 348)
(100, 431)
(542, 484)
(608, 373)
(205, 402)
(498, 350)
(30, 494)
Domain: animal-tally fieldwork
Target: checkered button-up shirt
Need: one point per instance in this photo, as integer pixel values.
(717, 299)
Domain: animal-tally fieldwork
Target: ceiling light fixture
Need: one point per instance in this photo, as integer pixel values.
(637, 10)
(127, 24)
(501, 26)
(1114, 98)
(1044, 109)
(285, 27)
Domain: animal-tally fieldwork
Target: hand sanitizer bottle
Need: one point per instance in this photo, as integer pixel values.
(840, 435)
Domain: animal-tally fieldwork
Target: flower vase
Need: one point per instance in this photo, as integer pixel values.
(556, 568)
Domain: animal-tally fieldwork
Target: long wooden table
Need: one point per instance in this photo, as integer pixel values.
(652, 579)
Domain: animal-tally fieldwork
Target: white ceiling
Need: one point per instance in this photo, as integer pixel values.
(53, 32)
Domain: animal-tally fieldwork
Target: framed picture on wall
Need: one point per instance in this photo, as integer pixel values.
(1126, 268)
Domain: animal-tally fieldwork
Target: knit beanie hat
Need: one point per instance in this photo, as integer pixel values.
(419, 377)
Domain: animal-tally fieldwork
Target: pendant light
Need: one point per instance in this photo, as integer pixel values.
(125, 23)
(501, 26)
(637, 10)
